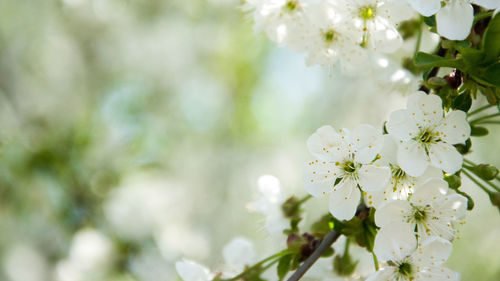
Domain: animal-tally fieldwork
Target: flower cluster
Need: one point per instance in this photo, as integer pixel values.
(400, 174)
(454, 18)
(332, 31)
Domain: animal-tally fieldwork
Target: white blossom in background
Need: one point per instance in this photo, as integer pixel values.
(397, 247)
(281, 20)
(330, 37)
(344, 165)
(377, 20)
(430, 210)
(454, 18)
(332, 32)
(270, 204)
(427, 135)
(237, 253)
(192, 271)
(89, 257)
(401, 185)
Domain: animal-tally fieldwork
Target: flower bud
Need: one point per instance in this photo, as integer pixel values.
(453, 181)
(295, 242)
(436, 82)
(454, 79)
(291, 207)
(495, 199)
(486, 171)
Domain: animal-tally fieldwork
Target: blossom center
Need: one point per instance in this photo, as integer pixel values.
(397, 173)
(350, 167)
(405, 269)
(420, 215)
(290, 6)
(367, 12)
(426, 136)
(329, 35)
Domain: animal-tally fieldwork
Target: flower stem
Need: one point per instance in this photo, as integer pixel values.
(419, 37)
(329, 239)
(477, 182)
(307, 197)
(471, 169)
(482, 16)
(255, 266)
(375, 261)
(478, 120)
(479, 109)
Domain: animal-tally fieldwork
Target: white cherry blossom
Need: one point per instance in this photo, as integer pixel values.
(270, 204)
(330, 38)
(281, 20)
(427, 135)
(378, 21)
(429, 210)
(454, 18)
(397, 247)
(191, 271)
(401, 185)
(344, 165)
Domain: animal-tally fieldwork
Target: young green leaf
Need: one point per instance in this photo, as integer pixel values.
(284, 266)
(491, 40)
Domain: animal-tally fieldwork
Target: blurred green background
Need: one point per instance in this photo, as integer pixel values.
(133, 132)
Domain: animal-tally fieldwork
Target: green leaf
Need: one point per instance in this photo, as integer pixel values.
(477, 131)
(473, 57)
(464, 148)
(427, 60)
(491, 74)
(491, 40)
(284, 266)
(462, 102)
(430, 21)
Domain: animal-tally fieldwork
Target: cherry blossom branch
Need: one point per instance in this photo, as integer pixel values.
(329, 239)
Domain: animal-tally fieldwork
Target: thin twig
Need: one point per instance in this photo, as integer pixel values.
(329, 239)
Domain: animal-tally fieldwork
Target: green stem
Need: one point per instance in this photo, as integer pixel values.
(255, 266)
(419, 37)
(477, 182)
(490, 122)
(482, 16)
(307, 197)
(471, 169)
(479, 110)
(478, 120)
(375, 261)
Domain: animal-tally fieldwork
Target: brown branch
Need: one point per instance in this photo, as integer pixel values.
(329, 239)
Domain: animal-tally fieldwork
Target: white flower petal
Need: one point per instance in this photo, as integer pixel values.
(426, 7)
(392, 211)
(454, 21)
(326, 144)
(412, 158)
(430, 172)
(386, 38)
(373, 177)
(434, 251)
(431, 190)
(446, 157)
(453, 207)
(455, 128)
(319, 177)
(344, 200)
(437, 273)
(238, 253)
(425, 108)
(402, 125)
(383, 274)
(389, 150)
(367, 142)
(191, 271)
(488, 4)
(395, 241)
